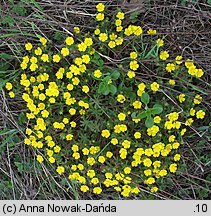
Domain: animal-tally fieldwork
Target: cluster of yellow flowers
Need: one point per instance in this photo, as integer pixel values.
(60, 96)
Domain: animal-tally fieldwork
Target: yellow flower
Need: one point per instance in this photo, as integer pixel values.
(119, 41)
(82, 47)
(97, 31)
(69, 137)
(114, 141)
(160, 42)
(33, 60)
(134, 65)
(153, 130)
(173, 116)
(151, 31)
(172, 138)
(200, 114)
(120, 15)
(40, 158)
(28, 46)
(147, 162)
(121, 116)
(101, 159)
(105, 133)
(56, 58)
(157, 119)
(164, 55)
(118, 22)
(76, 29)
(173, 168)
(121, 98)
(119, 28)
(73, 124)
(81, 167)
(85, 89)
(75, 81)
(133, 55)
(127, 170)
(170, 67)
(90, 161)
(183, 131)
(150, 181)
(52, 100)
(163, 173)
(172, 82)
(84, 188)
(103, 37)
(154, 86)
(60, 170)
(45, 114)
(72, 111)
(43, 41)
(69, 41)
(65, 51)
(197, 99)
(113, 36)
(88, 41)
(8, 86)
(177, 157)
(137, 104)
(100, 7)
(181, 98)
(75, 148)
(51, 159)
(111, 44)
(154, 189)
(65, 120)
(85, 59)
(199, 73)
(38, 51)
(192, 112)
(97, 74)
(131, 74)
(45, 58)
(137, 135)
(100, 16)
(126, 144)
(97, 190)
(178, 60)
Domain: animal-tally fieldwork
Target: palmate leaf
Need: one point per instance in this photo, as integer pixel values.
(149, 122)
(115, 75)
(112, 89)
(157, 109)
(145, 98)
(142, 115)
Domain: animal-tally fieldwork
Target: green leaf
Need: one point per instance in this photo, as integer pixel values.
(7, 131)
(2, 83)
(115, 75)
(157, 109)
(142, 115)
(7, 20)
(112, 89)
(133, 115)
(103, 88)
(209, 2)
(128, 91)
(145, 98)
(134, 16)
(106, 79)
(22, 118)
(149, 122)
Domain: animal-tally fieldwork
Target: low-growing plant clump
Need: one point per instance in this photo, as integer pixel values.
(94, 114)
